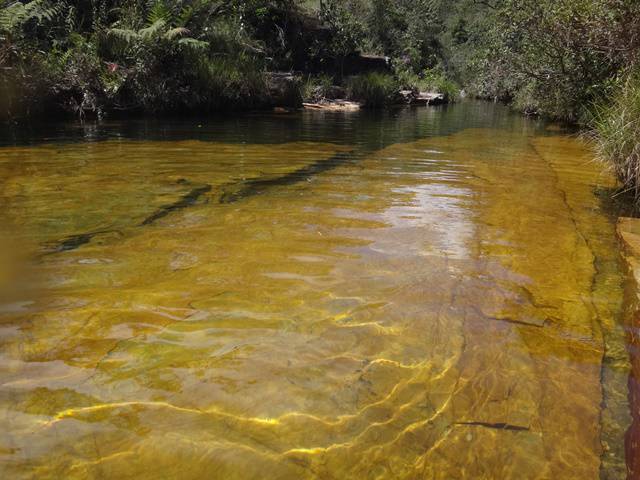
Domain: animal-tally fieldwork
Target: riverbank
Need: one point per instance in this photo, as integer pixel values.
(162, 57)
(280, 92)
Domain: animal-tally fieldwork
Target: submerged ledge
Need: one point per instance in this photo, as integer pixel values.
(629, 233)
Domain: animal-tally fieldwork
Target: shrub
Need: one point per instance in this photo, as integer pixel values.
(170, 67)
(78, 81)
(373, 89)
(23, 42)
(435, 80)
(550, 57)
(155, 55)
(431, 80)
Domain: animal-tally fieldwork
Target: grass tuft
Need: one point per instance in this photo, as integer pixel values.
(373, 89)
(616, 132)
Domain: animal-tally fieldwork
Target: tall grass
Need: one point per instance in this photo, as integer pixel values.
(616, 133)
(314, 89)
(373, 89)
(223, 82)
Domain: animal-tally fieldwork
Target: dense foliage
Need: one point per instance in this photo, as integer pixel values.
(87, 56)
(551, 57)
(92, 56)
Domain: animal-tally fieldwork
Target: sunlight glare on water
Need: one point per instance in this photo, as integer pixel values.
(420, 294)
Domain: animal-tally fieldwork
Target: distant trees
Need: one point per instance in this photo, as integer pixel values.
(407, 30)
(347, 30)
(551, 57)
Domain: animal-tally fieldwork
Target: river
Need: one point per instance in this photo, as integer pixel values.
(430, 293)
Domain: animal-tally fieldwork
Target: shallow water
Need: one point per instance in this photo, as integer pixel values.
(430, 293)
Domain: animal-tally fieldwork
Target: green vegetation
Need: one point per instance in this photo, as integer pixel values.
(372, 89)
(616, 131)
(317, 88)
(430, 80)
(550, 57)
(566, 59)
(91, 57)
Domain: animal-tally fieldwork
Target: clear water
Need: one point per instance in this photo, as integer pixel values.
(426, 293)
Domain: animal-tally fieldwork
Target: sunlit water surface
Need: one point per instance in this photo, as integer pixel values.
(421, 294)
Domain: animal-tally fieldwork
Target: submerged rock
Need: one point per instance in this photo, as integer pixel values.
(629, 233)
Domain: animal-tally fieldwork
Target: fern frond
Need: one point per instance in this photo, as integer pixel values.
(12, 16)
(159, 11)
(153, 29)
(123, 34)
(193, 44)
(16, 14)
(176, 32)
(185, 16)
(42, 11)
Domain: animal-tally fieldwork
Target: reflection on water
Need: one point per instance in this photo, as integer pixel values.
(416, 294)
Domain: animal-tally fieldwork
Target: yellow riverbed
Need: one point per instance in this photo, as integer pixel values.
(435, 309)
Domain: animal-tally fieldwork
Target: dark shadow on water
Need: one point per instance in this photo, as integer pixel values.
(366, 129)
(73, 242)
(616, 202)
(185, 201)
(249, 188)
